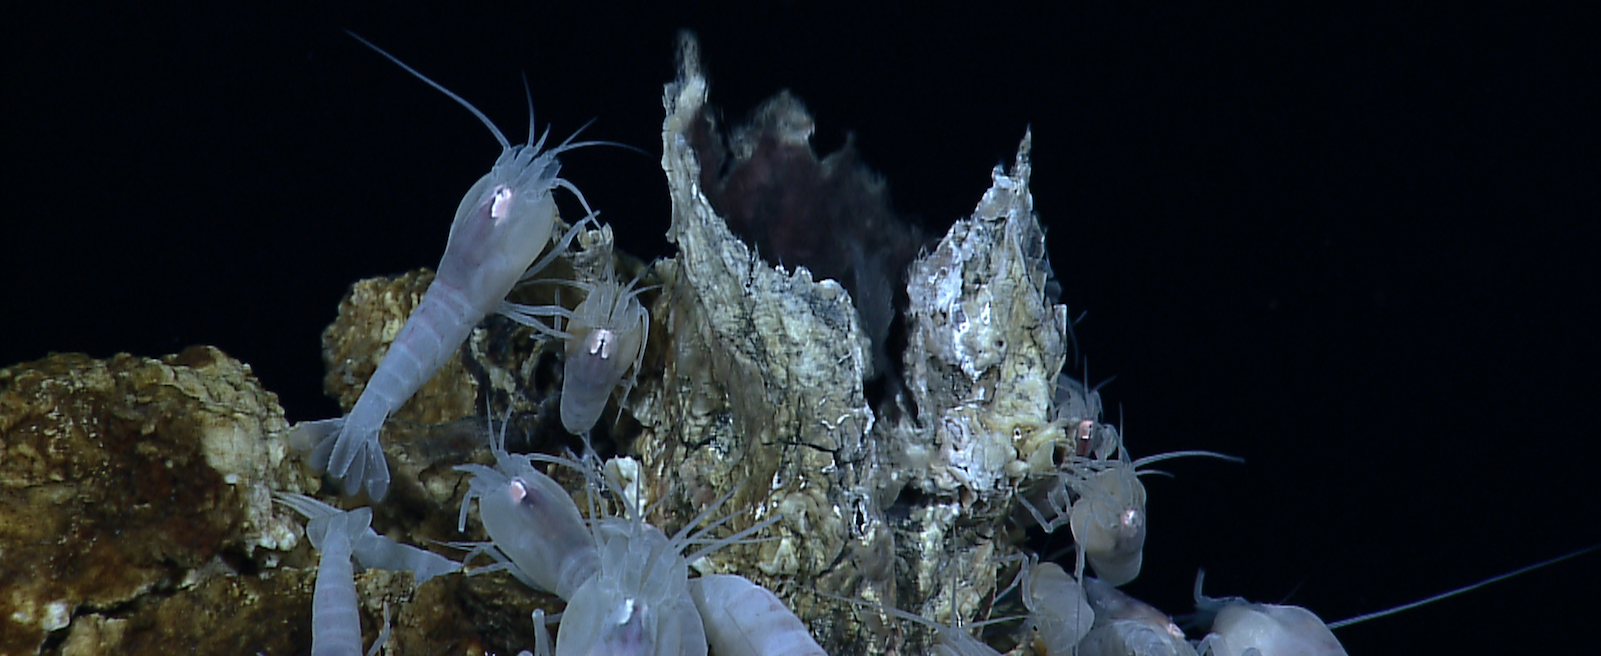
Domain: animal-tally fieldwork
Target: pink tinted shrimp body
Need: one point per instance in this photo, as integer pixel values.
(608, 332)
(638, 603)
(533, 524)
(501, 225)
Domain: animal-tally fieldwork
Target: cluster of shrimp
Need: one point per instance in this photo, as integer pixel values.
(626, 583)
(1097, 490)
(504, 222)
(1098, 494)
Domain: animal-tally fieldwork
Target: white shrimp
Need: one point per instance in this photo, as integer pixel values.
(626, 583)
(745, 619)
(1242, 628)
(370, 549)
(536, 530)
(335, 621)
(639, 603)
(1104, 502)
(1125, 626)
(605, 337)
(502, 224)
(1057, 606)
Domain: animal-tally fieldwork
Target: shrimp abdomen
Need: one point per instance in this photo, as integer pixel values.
(335, 622)
(439, 324)
(745, 619)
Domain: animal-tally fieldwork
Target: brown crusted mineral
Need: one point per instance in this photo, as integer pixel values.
(127, 475)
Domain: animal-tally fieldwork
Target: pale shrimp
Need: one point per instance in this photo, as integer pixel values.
(536, 530)
(1127, 626)
(745, 619)
(639, 601)
(370, 549)
(605, 338)
(1104, 502)
(1240, 628)
(626, 583)
(501, 225)
(1058, 607)
(335, 620)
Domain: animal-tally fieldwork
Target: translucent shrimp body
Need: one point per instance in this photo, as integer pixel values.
(626, 583)
(1104, 502)
(501, 225)
(1057, 606)
(338, 537)
(536, 529)
(1241, 628)
(638, 603)
(1127, 626)
(745, 619)
(335, 626)
(609, 332)
(369, 549)
(605, 340)
(1108, 523)
(949, 640)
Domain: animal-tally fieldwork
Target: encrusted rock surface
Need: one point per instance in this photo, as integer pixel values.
(763, 385)
(128, 476)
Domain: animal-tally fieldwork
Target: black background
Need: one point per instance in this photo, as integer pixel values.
(1350, 245)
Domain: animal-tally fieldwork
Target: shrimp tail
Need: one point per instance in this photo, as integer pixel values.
(346, 448)
(316, 437)
(356, 459)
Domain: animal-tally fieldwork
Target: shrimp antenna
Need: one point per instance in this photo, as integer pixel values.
(528, 92)
(1465, 588)
(504, 144)
(569, 145)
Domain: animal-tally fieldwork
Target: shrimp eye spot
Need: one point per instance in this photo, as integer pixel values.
(1131, 518)
(500, 207)
(517, 491)
(599, 343)
(623, 613)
